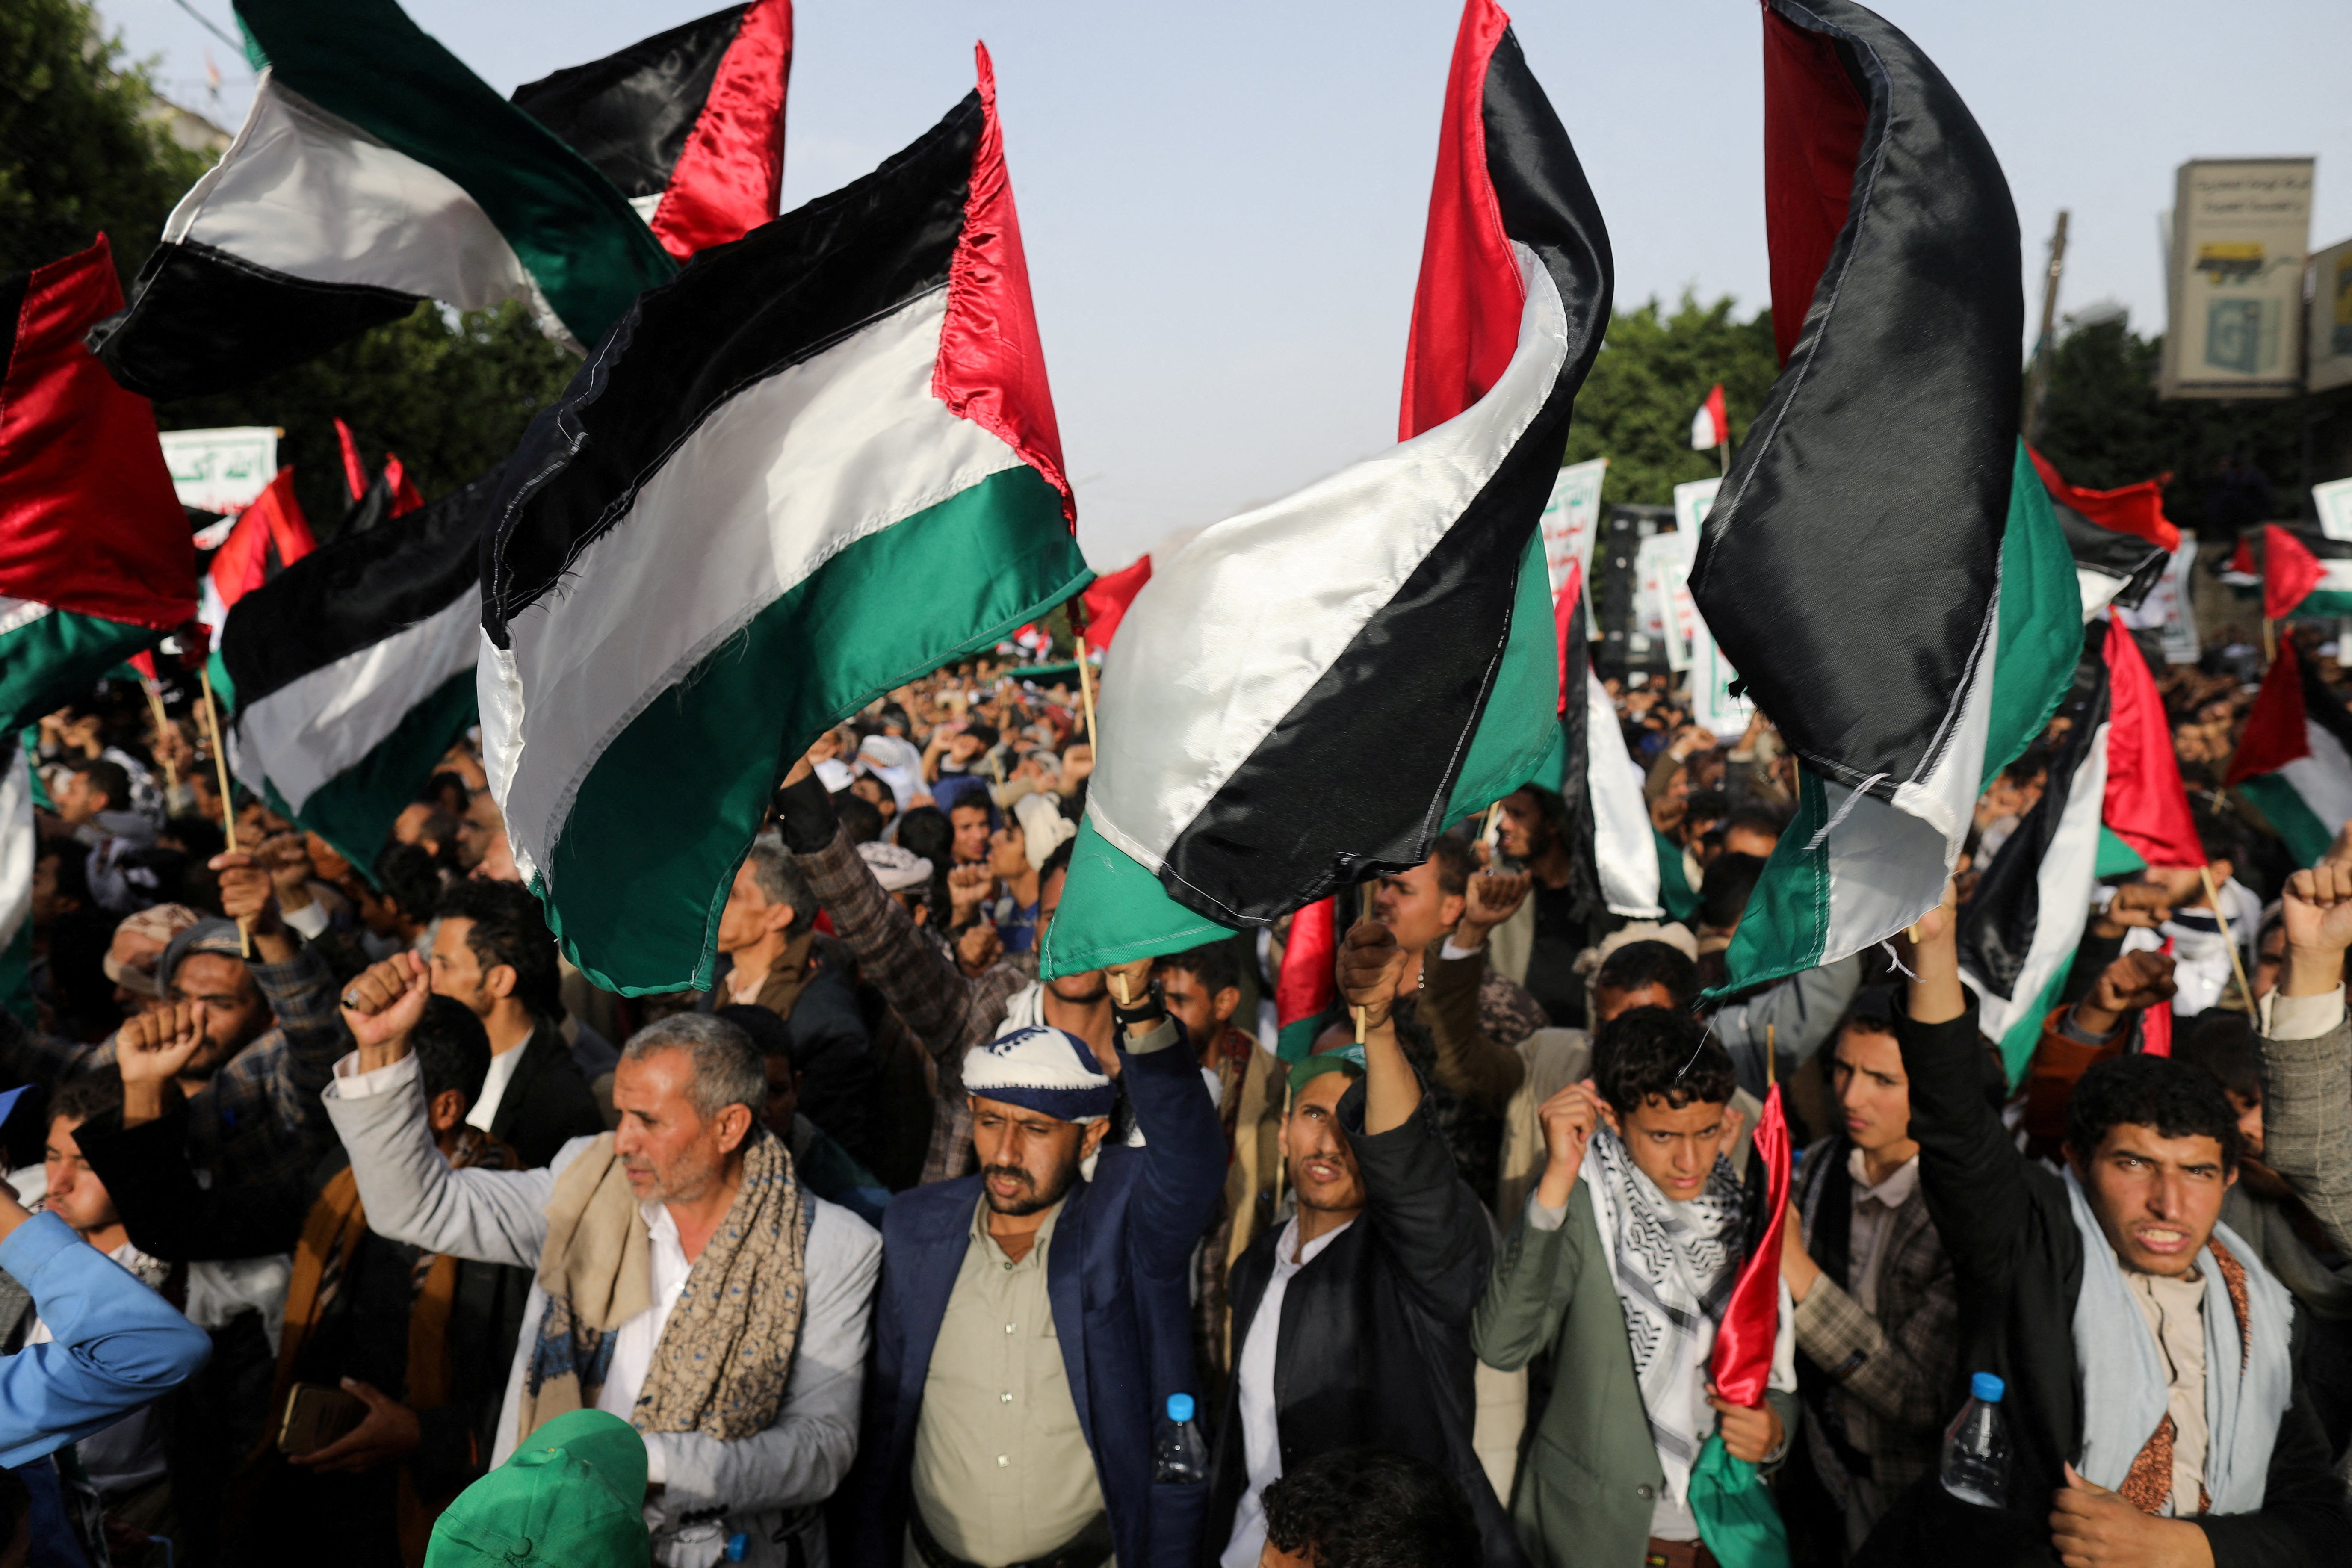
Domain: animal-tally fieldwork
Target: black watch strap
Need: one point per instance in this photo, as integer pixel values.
(1145, 1013)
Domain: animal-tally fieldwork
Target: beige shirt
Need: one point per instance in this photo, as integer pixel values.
(2175, 1310)
(1002, 1473)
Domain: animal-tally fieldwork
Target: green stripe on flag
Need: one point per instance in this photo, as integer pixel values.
(2116, 857)
(1520, 727)
(2327, 603)
(2024, 1032)
(2306, 836)
(1786, 925)
(572, 229)
(58, 657)
(1674, 891)
(642, 865)
(2040, 614)
(354, 810)
(1114, 910)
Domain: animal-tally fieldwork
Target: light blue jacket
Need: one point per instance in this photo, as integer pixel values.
(115, 1344)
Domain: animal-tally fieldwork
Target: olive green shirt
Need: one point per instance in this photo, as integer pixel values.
(1002, 1473)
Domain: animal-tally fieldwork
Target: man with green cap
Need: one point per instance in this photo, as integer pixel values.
(569, 1496)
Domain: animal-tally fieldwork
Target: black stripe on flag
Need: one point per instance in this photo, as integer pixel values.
(354, 591)
(1411, 663)
(1873, 488)
(2322, 707)
(12, 309)
(2112, 552)
(737, 315)
(201, 320)
(1997, 928)
(631, 113)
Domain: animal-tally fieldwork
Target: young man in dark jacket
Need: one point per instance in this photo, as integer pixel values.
(2152, 1410)
(1351, 1323)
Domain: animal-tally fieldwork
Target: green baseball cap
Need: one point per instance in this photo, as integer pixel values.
(571, 1496)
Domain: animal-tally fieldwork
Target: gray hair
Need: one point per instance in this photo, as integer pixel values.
(726, 1066)
(780, 879)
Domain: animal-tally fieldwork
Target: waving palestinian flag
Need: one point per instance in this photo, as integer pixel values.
(1882, 565)
(1305, 695)
(688, 124)
(96, 559)
(2121, 540)
(821, 463)
(374, 171)
(2293, 759)
(354, 671)
(2303, 574)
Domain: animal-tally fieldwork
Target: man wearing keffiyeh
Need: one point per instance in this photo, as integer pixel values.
(1638, 1203)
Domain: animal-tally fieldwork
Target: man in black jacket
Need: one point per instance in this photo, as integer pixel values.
(2095, 1297)
(1352, 1322)
(494, 954)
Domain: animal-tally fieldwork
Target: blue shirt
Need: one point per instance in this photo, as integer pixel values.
(115, 1346)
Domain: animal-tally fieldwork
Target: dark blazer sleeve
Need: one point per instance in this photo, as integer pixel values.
(836, 1062)
(167, 1215)
(547, 1104)
(1183, 1155)
(2304, 1518)
(1424, 1213)
(867, 1514)
(1970, 1170)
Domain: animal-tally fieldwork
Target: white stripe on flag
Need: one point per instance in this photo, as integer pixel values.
(18, 842)
(771, 486)
(313, 196)
(2097, 589)
(2063, 896)
(2323, 779)
(1279, 592)
(1622, 846)
(305, 734)
(2334, 577)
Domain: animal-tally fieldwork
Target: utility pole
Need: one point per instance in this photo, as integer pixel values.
(2038, 387)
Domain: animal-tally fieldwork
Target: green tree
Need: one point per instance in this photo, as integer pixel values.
(80, 153)
(2103, 426)
(450, 393)
(1652, 372)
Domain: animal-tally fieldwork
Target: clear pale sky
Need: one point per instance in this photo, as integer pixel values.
(1224, 201)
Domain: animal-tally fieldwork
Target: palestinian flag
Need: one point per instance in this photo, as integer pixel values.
(1308, 989)
(1107, 598)
(1304, 696)
(820, 463)
(1612, 841)
(374, 171)
(2019, 930)
(95, 563)
(389, 494)
(19, 845)
(2304, 574)
(2147, 806)
(687, 124)
(1882, 564)
(353, 671)
(269, 535)
(2293, 759)
(2121, 540)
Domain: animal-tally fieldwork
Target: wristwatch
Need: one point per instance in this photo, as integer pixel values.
(1145, 1015)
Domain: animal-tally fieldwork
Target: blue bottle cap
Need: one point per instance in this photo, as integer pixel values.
(1179, 1407)
(738, 1544)
(1987, 1386)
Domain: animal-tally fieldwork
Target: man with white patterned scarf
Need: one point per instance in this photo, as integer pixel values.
(1638, 1203)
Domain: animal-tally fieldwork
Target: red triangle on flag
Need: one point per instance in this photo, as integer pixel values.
(1107, 597)
(88, 522)
(1310, 957)
(1741, 1366)
(730, 172)
(2145, 803)
(2136, 510)
(271, 526)
(404, 499)
(1563, 622)
(2276, 732)
(355, 474)
(2290, 571)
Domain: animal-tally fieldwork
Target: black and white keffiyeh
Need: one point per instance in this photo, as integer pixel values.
(1674, 1265)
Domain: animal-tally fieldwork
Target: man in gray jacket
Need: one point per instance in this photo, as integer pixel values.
(686, 1281)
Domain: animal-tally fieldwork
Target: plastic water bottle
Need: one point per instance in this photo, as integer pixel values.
(1178, 1451)
(1976, 1446)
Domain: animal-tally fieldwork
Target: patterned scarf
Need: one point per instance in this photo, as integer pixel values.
(1674, 1265)
(725, 1352)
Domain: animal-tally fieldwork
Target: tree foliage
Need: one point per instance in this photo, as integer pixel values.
(1652, 372)
(80, 153)
(449, 394)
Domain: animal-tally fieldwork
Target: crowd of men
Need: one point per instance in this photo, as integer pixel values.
(886, 1251)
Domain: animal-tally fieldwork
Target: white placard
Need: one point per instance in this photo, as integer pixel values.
(2334, 499)
(2166, 607)
(1712, 703)
(1668, 610)
(1570, 519)
(221, 470)
(1693, 502)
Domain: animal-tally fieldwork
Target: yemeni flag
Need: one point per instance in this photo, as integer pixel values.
(2121, 540)
(1711, 427)
(354, 672)
(821, 463)
(373, 171)
(1882, 564)
(1736, 1518)
(2019, 930)
(96, 562)
(1308, 989)
(1107, 598)
(2304, 574)
(2293, 760)
(1304, 696)
(687, 124)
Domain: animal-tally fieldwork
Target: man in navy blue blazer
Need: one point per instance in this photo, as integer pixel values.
(1033, 1319)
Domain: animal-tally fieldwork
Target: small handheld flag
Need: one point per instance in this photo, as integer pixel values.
(1709, 426)
(1308, 982)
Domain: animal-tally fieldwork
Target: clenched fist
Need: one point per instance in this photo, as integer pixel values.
(1371, 965)
(382, 1003)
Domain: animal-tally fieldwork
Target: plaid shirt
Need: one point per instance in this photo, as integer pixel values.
(259, 1121)
(947, 1013)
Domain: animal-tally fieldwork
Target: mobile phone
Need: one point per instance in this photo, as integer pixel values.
(318, 1413)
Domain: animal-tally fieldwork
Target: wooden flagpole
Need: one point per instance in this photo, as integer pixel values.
(2237, 965)
(228, 801)
(1086, 696)
(162, 723)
